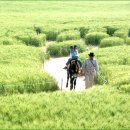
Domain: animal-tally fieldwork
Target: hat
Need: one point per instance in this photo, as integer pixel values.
(75, 46)
(71, 47)
(91, 54)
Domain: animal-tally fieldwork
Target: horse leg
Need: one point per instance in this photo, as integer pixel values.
(74, 83)
(71, 83)
(67, 79)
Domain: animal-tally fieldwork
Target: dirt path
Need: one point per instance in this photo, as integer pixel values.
(55, 67)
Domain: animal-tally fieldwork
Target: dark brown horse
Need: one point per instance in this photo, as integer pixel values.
(72, 73)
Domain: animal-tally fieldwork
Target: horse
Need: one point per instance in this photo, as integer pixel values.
(72, 73)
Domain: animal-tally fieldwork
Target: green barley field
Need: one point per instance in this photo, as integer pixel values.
(30, 97)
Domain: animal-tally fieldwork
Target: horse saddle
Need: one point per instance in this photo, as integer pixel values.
(71, 62)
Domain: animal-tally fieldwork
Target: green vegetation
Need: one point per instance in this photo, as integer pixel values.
(51, 34)
(129, 33)
(62, 48)
(111, 41)
(121, 34)
(57, 16)
(21, 70)
(68, 35)
(22, 20)
(103, 23)
(8, 41)
(111, 30)
(34, 40)
(95, 38)
(83, 31)
(62, 0)
(92, 109)
(128, 41)
(27, 37)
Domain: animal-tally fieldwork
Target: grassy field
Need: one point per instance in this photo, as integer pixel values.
(104, 23)
(20, 21)
(17, 16)
(21, 70)
(62, 0)
(92, 109)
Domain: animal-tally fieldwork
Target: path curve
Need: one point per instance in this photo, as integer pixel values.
(55, 68)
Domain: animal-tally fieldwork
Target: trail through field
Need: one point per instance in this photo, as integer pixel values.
(55, 67)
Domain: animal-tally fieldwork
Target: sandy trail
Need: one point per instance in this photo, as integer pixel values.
(55, 68)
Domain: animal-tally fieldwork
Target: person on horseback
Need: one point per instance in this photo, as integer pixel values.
(74, 55)
(73, 67)
(90, 66)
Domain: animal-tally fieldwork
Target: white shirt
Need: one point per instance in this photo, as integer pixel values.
(90, 66)
(74, 53)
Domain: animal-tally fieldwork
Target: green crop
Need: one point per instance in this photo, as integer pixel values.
(62, 48)
(21, 70)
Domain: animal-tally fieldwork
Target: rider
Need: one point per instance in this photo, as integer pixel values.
(73, 55)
